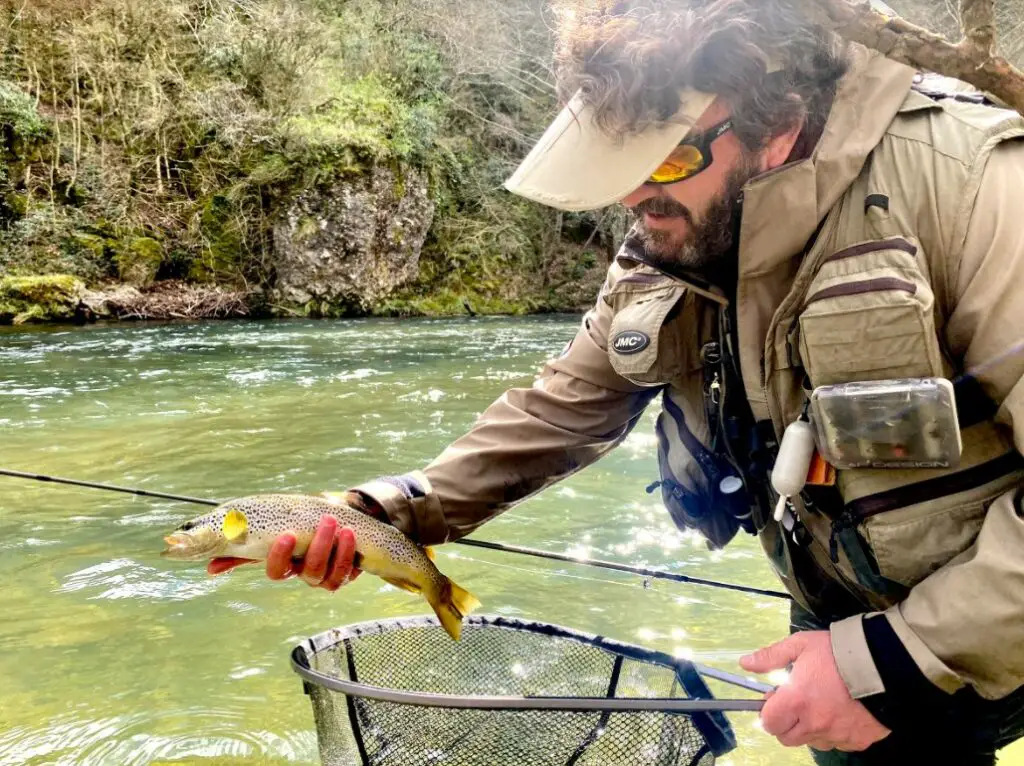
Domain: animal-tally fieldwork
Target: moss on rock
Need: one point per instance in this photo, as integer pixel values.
(223, 241)
(16, 203)
(138, 261)
(51, 297)
(447, 302)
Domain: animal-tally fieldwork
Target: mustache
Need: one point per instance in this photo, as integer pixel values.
(662, 206)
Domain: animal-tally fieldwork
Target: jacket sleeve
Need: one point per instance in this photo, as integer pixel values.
(963, 625)
(575, 412)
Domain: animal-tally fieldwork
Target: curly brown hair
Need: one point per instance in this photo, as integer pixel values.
(631, 58)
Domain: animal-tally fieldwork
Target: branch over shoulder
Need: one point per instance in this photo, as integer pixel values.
(972, 60)
(979, 26)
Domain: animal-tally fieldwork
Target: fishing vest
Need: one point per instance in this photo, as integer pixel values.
(868, 302)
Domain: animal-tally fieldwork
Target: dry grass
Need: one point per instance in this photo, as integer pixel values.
(169, 300)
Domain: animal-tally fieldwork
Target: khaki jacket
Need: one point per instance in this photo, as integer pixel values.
(939, 269)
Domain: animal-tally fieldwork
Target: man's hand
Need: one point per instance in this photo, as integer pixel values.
(327, 563)
(814, 706)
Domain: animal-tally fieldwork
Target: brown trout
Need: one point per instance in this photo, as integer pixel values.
(247, 526)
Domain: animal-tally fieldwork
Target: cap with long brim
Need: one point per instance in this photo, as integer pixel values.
(577, 166)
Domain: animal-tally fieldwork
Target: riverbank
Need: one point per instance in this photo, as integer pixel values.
(62, 298)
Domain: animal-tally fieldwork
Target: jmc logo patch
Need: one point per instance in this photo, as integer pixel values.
(630, 342)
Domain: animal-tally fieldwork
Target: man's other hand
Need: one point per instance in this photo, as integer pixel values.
(328, 562)
(813, 707)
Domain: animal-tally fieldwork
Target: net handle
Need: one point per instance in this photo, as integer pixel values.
(300, 664)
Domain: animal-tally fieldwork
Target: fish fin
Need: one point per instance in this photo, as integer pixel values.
(452, 604)
(235, 526)
(403, 584)
(429, 553)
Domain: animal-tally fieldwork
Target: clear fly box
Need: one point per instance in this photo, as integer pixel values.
(904, 423)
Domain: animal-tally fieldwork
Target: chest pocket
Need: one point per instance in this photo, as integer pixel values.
(869, 315)
(644, 341)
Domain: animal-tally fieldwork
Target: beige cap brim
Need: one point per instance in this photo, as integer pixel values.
(576, 166)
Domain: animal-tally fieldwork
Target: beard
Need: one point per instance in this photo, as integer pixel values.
(707, 241)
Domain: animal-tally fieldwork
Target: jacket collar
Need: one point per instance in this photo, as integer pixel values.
(782, 208)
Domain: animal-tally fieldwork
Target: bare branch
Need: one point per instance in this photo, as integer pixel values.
(978, 22)
(953, 10)
(971, 60)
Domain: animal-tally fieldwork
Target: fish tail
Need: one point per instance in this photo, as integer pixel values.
(451, 604)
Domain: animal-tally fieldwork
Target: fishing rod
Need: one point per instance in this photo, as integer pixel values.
(654, 574)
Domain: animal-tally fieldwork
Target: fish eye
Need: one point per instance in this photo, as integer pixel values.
(187, 526)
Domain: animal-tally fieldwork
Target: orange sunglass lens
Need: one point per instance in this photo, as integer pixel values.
(682, 163)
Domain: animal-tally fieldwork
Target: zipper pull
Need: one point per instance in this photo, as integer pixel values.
(844, 521)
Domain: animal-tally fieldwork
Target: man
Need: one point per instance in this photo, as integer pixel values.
(806, 215)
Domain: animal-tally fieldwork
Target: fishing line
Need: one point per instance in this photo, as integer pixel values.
(552, 573)
(655, 574)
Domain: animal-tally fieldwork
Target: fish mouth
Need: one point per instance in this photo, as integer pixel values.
(182, 547)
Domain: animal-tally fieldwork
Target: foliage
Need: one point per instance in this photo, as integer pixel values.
(18, 115)
(49, 238)
(188, 124)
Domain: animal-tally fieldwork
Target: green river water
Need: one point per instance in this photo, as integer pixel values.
(110, 655)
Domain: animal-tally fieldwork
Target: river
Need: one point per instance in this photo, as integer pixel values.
(111, 655)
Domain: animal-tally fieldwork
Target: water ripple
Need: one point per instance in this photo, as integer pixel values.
(124, 578)
(31, 393)
(144, 737)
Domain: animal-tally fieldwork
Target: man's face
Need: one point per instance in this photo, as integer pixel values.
(689, 223)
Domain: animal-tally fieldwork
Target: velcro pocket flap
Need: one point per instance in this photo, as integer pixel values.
(636, 339)
(869, 315)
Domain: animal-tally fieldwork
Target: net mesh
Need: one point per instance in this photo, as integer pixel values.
(498, 658)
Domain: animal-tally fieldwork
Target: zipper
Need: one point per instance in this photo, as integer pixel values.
(864, 508)
(711, 359)
(792, 357)
(863, 286)
(805, 273)
(729, 337)
(846, 520)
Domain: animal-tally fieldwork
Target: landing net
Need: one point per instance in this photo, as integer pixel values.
(400, 692)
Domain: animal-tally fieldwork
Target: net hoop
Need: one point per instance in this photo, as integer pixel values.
(684, 668)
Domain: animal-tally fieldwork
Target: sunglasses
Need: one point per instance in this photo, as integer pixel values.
(690, 157)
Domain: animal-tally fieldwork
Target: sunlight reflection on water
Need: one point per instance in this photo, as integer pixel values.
(110, 655)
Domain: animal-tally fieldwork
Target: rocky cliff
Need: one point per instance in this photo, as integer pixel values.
(350, 246)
